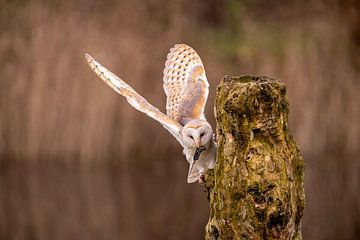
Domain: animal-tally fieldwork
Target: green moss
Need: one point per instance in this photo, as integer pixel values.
(237, 196)
(256, 190)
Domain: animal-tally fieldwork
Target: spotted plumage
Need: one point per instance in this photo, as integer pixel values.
(185, 84)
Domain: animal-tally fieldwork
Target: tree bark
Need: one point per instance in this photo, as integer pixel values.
(256, 190)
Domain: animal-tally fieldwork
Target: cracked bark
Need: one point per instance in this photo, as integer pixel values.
(256, 190)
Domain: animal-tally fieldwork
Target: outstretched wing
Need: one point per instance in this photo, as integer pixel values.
(135, 100)
(185, 84)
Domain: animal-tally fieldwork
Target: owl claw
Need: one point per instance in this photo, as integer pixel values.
(202, 179)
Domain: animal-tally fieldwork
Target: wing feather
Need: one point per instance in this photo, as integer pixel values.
(134, 99)
(185, 84)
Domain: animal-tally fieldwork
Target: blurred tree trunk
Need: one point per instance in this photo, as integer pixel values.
(256, 190)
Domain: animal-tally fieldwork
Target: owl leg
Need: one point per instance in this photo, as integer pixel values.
(202, 179)
(201, 175)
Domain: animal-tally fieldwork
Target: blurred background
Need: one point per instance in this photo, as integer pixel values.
(77, 162)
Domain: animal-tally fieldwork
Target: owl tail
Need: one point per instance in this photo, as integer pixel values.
(194, 174)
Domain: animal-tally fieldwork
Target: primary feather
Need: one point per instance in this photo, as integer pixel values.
(135, 100)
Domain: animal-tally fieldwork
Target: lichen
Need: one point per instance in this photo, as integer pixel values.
(256, 190)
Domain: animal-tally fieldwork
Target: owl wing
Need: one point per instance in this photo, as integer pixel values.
(185, 84)
(135, 100)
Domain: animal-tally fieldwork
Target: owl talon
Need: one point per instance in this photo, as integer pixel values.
(197, 153)
(202, 179)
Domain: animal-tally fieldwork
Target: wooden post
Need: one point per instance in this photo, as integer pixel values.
(256, 190)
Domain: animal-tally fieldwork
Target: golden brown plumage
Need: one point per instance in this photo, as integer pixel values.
(185, 84)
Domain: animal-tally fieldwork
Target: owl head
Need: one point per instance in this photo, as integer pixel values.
(197, 133)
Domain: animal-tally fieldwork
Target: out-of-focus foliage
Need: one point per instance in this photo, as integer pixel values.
(76, 162)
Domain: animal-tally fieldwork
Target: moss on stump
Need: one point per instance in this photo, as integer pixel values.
(256, 190)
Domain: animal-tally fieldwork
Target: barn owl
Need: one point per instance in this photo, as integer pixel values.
(186, 89)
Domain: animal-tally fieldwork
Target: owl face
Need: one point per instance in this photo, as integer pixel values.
(197, 133)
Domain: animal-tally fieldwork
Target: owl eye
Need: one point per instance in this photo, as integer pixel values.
(191, 137)
(202, 134)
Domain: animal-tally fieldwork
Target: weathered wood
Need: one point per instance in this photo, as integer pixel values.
(256, 190)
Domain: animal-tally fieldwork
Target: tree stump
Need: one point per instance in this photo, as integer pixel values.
(256, 190)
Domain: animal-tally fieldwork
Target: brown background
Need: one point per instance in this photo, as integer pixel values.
(77, 162)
